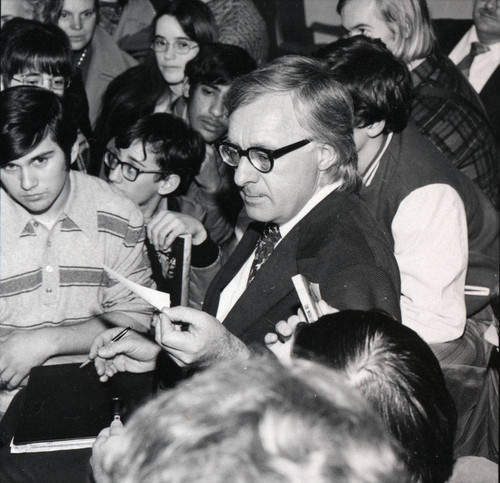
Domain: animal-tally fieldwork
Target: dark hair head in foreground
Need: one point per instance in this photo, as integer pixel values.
(401, 378)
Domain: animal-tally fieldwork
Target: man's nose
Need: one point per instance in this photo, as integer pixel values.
(245, 173)
(28, 179)
(115, 174)
(217, 108)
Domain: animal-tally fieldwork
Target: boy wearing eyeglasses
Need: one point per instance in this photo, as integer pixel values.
(38, 54)
(152, 162)
(58, 228)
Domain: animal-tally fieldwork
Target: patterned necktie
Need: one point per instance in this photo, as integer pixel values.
(267, 242)
(476, 48)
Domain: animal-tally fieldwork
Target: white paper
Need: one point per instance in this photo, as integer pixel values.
(154, 297)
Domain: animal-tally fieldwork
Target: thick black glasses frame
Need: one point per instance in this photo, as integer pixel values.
(272, 154)
(118, 162)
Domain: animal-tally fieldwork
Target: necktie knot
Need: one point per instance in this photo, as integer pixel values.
(267, 242)
(476, 48)
(270, 234)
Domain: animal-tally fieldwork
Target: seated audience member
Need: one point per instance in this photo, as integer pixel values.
(445, 107)
(208, 78)
(401, 378)
(252, 421)
(33, 53)
(149, 163)
(180, 27)
(58, 228)
(443, 229)
(477, 55)
(290, 142)
(95, 53)
(238, 23)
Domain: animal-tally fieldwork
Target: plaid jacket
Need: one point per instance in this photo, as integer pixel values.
(453, 119)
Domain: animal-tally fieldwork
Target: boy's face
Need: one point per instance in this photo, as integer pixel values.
(39, 181)
(206, 111)
(144, 190)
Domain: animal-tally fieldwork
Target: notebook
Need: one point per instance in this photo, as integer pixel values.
(66, 407)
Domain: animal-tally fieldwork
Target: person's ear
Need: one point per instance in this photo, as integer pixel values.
(169, 184)
(327, 157)
(375, 129)
(185, 88)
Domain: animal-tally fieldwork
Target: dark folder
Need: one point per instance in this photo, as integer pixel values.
(66, 407)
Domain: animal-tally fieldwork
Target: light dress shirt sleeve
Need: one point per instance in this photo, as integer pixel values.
(431, 248)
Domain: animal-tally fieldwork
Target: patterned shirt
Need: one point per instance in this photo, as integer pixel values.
(53, 278)
(455, 124)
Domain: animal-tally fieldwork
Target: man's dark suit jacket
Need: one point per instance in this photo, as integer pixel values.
(449, 32)
(338, 245)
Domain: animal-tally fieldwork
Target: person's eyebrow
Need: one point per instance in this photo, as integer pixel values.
(48, 152)
(133, 159)
(359, 25)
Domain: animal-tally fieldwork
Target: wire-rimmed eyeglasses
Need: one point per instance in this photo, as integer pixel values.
(57, 83)
(180, 46)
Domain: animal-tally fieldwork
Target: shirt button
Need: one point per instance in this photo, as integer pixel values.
(49, 269)
(49, 243)
(35, 224)
(49, 290)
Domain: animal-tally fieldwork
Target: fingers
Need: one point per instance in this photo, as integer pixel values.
(270, 339)
(116, 427)
(102, 339)
(325, 308)
(284, 329)
(164, 228)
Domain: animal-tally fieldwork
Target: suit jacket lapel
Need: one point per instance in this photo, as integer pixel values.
(271, 284)
(241, 253)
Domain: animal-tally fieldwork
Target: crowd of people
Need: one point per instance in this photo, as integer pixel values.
(369, 166)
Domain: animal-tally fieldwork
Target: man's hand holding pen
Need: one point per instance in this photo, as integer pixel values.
(133, 353)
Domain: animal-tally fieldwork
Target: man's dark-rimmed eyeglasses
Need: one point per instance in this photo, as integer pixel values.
(261, 159)
(129, 172)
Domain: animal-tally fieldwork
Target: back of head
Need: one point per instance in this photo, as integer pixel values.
(29, 45)
(218, 64)
(400, 376)
(195, 18)
(257, 420)
(410, 22)
(179, 149)
(379, 83)
(27, 116)
(322, 105)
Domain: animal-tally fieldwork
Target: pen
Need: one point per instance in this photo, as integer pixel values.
(116, 338)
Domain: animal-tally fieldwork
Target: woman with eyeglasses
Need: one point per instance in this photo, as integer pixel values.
(37, 54)
(155, 86)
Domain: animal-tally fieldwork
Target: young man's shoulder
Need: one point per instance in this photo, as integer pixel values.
(104, 197)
